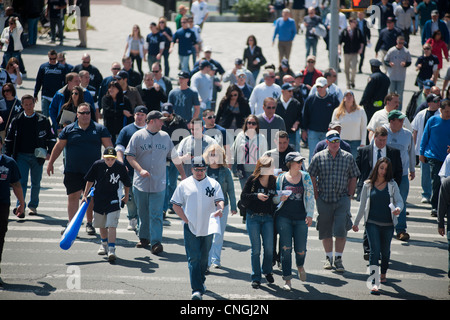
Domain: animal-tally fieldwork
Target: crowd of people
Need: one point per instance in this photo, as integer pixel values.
(159, 132)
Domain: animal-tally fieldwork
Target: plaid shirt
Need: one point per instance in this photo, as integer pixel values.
(332, 174)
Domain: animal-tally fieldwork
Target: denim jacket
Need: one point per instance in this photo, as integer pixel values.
(225, 180)
(308, 195)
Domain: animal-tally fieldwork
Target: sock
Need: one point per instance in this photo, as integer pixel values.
(112, 244)
(338, 255)
(330, 255)
(105, 241)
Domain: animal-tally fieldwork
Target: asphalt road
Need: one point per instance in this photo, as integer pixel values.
(34, 267)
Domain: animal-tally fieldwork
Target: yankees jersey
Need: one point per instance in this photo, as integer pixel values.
(198, 200)
(106, 185)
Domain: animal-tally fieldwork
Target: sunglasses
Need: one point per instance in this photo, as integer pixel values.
(426, 48)
(74, 93)
(84, 112)
(199, 169)
(210, 117)
(252, 123)
(271, 108)
(334, 141)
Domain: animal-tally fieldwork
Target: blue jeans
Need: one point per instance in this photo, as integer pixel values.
(294, 139)
(172, 177)
(184, 63)
(32, 31)
(314, 137)
(45, 104)
(354, 145)
(311, 43)
(28, 164)
(425, 179)
(404, 190)
(197, 250)
(132, 207)
(217, 243)
(260, 227)
(150, 211)
(289, 229)
(380, 238)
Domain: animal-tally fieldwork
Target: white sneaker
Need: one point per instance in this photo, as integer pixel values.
(112, 254)
(132, 224)
(196, 296)
(103, 249)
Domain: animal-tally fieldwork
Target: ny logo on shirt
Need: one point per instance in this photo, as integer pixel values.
(210, 192)
(114, 179)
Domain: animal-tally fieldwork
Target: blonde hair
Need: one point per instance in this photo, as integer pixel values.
(217, 149)
(340, 111)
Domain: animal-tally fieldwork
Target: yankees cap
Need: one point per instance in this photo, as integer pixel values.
(110, 152)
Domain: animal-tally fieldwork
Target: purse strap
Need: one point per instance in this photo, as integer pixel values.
(10, 113)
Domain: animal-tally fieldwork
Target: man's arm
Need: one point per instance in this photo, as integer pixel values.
(57, 149)
(132, 161)
(18, 192)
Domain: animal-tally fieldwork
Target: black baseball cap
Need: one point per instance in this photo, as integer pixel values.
(110, 152)
(155, 115)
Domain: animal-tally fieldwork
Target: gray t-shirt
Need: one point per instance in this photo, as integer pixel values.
(203, 83)
(183, 102)
(151, 151)
(397, 72)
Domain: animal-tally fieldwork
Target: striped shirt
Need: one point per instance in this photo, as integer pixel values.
(332, 174)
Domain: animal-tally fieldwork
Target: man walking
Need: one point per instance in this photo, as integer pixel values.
(433, 148)
(286, 31)
(29, 141)
(198, 200)
(147, 152)
(50, 78)
(397, 59)
(333, 173)
(82, 141)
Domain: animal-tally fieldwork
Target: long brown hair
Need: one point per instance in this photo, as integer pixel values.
(374, 174)
(263, 162)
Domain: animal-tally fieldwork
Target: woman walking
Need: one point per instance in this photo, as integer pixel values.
(257, 197)
(380, 205)
(294, 216)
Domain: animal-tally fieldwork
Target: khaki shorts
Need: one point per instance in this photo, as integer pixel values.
(109, 220)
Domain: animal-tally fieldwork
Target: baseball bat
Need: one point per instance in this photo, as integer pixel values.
(72, 229)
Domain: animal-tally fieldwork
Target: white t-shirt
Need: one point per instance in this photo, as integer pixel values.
(259, 93)
(380, 118)
(198, 200)
(199, 11)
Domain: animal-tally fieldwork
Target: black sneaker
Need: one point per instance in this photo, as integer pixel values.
(157, 248)
(269, 278)
(90, 230)
(256, 284)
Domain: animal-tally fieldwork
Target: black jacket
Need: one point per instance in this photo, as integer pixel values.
(45, 137)
(364, 161)
(290, 115)
(113, 116)
(257, 53)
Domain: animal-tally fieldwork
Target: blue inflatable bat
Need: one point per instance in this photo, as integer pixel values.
(72, 229)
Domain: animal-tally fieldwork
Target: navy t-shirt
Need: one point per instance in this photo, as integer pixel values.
(426, 71)
(123, 139)
(154, 39)
(83, 146)
(186, 39)
(106, 184)
(9, 173)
